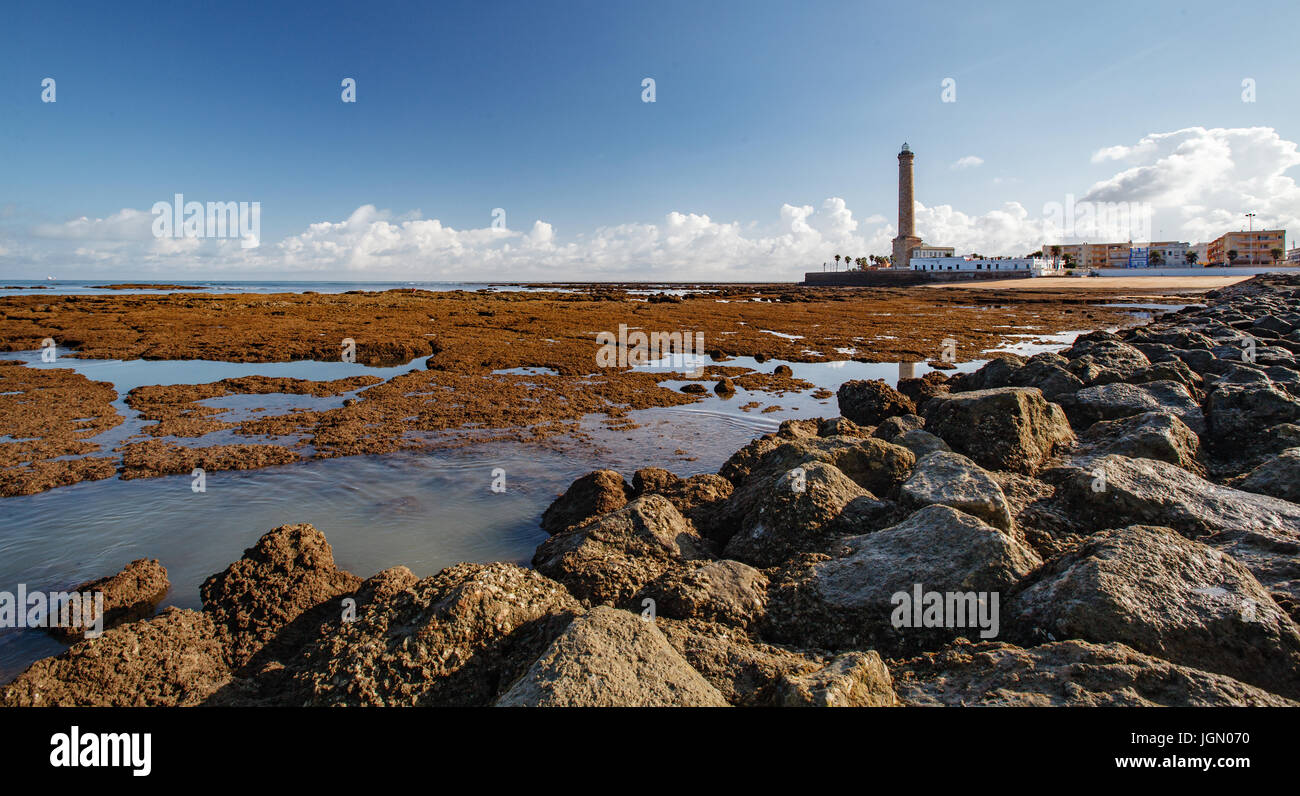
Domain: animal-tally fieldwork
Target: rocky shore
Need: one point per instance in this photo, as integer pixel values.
(1117, 524)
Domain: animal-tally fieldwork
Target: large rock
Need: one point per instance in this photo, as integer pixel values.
(920, 442)
(848, 601)
(747, 672)
(1278, 477)
(608, 558)
(873, 464)
(1165, 595)
(1238, 413)
(868, 403)
(1065, 673)
(595, 493)
(129, 595)
(1110, 490)
(1009, 428)
(728, 592)
(1100, 358)
(1150, 435)
(611, 658)
(699, 498)
(276, 596)
(455, 639)
(850, 680)
(1111, 401)
(175, 659)
(795, 515)
(950, 479)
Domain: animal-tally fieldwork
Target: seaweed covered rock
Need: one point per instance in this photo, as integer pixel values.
(611, 658)
(595, 493)
(609, 558)
(273, 599)
(1008, 428)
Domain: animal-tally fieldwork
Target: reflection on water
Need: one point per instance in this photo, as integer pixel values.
(424, 511)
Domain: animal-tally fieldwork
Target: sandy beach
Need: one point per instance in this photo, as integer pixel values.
(1101, 283)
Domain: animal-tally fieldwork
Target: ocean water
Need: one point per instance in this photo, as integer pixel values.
(86, 287)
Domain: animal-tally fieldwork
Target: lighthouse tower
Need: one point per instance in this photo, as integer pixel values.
(906, 240)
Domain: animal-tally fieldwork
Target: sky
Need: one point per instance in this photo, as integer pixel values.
(505, 140)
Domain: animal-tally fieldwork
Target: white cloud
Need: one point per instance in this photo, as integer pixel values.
(1197, 181)
(968, 162)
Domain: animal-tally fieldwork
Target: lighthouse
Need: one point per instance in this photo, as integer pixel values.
(906, 240)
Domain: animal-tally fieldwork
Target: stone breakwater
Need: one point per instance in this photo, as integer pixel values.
(1128, 510)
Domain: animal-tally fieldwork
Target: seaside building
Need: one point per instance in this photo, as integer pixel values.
(1252, 248)
(1202, 253)
(1293, 256)
(1036, 266)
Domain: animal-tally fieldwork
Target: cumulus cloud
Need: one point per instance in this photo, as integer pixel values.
(1197, 181)
(1201, 181)
(968, 162)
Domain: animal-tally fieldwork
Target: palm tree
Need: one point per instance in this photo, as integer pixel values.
(1232, 256)
(837, 262)
(1056, 255)
(1276, 254)
(1156, 258)
(1190, 257)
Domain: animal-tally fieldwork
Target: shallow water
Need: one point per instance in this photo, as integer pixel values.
(422, 510)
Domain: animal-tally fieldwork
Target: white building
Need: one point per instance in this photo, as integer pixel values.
(933, 251)
(1172, 254)
(1037, 266)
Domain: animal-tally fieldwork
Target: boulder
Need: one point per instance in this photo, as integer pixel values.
(129, 595)
(850, 600)
(1048, 373)
(746, 672)
(1108, 490)
(867, 403)
(850, 680)
(699, 498)
(609, 558)
(891, 428)
(1237, 413)
(595, 493)
(842, 427)
(1065, 673)
(950, 479)
(727, 592)
(1154, 590)
(997, 372)
(175, 659)
(273, 600)
(1150, 435)
(454, 639)
(1111, 401)
(611, 658)
(796, 514)
(1278, 477)
(920, 442)
(1008, 428)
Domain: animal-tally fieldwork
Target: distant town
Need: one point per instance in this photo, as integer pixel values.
(913, 259)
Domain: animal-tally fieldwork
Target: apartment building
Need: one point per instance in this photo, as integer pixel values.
(1252, 248)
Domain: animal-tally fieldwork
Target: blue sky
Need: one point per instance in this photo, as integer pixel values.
(536, 108)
